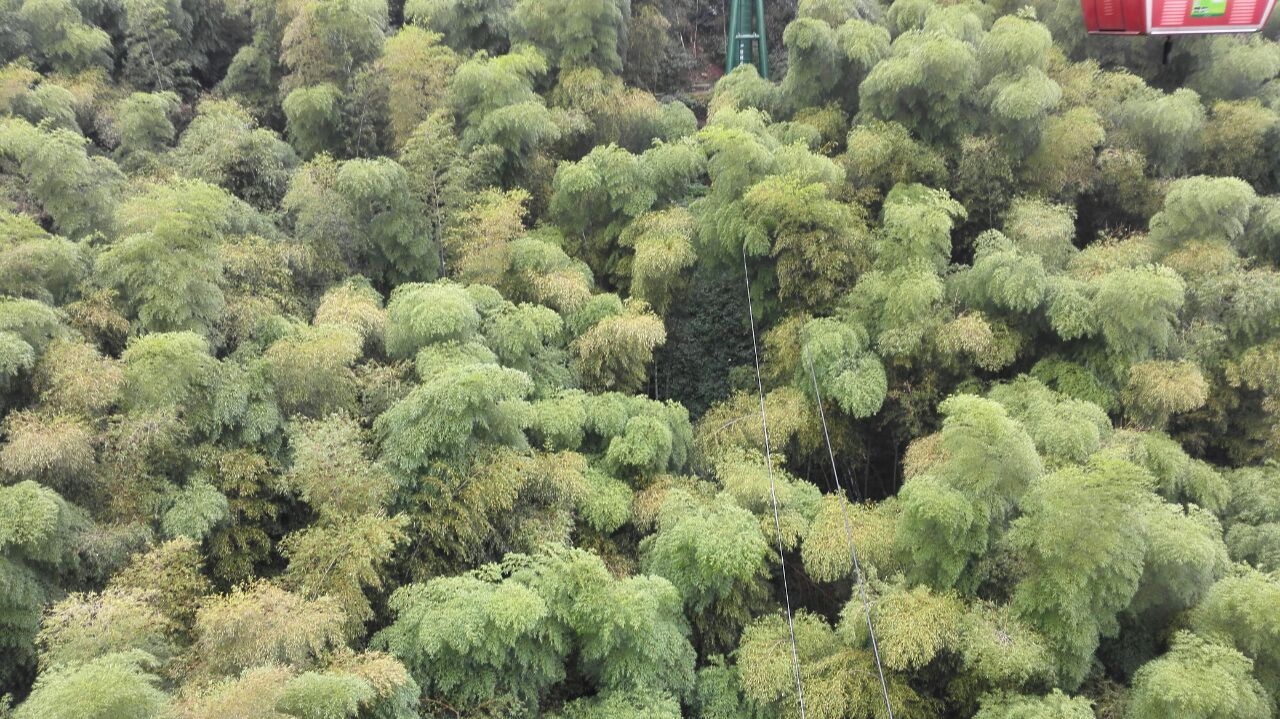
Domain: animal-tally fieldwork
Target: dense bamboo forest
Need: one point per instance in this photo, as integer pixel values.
(371, 359)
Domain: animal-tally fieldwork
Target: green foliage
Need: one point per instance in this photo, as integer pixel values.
(442, 417)
(1252, 518)
(1064, 429)
(884, 154)
(314, 117)
(715, 555)
(954, 509)
(332, 470)
(419, 315)
(596, 197)
(383, 210)
(439, 179)
(61, 38)
(26, 327)
(479, 241)
(922, 83)
(339, 561)
(34, 263)
(56, 450)
(344, 236)
(324, 696)
(166, 263)
(1072, 313)
(224, 146)
(1233, 70)
(663, 254)
(913, 626)
(244, 540)
(166, 370)
(743, 89)
(1000, 651)
(846, 372)
(825, 53)
(899, 308)
(1185, 554)
(811, 45)
(157, 43)
(1237, 130)
(646, 437)
(37, 521)
(332, 324)
(1194, 481)
(115, 686)
(1019, 104)
(196, 509)
(745, 479)
(484, 84)
(82, 628)
(1055, 705)
(1042, 229)
(826, 552)
(1239, 611)
(325, 40)
(1159, 389)
(369, 683)
(255, 692)
(77, 190)
(46, 103)
(630, 633)
(817, 244)
(839, 680)
(1167, 128)
(1202, 209)
(574, 34)
(262, 623)
(623, 705)
(1063, 164)
(1083, 544)
(418, 69)
(16, 356)
(465, 24)
(1002, 277)
(504, 122)
(311, 370)
(169, 578)
(1137, 308)
(540, 271)
(145, 127)
(614, 352)
(36, 541)
(511, 646)
(603, 110)
(1197, 679)
(530, 338)
(917, 224)
(522, 500)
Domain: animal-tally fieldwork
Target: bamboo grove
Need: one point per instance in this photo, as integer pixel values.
(370, 361)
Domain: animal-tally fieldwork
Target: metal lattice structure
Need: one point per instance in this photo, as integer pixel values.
(746, 37)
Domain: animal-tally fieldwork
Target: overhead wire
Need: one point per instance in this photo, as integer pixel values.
(773, 492)
(848, 534)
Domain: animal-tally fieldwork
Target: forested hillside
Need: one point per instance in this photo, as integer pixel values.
(369, 361)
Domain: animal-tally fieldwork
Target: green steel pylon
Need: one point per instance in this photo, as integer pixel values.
(746, 41)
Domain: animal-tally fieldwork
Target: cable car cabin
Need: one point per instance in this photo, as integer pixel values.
(1174, 17)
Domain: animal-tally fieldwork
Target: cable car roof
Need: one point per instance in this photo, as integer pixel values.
(1174, 17)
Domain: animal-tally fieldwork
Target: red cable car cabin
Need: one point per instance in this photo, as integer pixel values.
(1174, 17)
